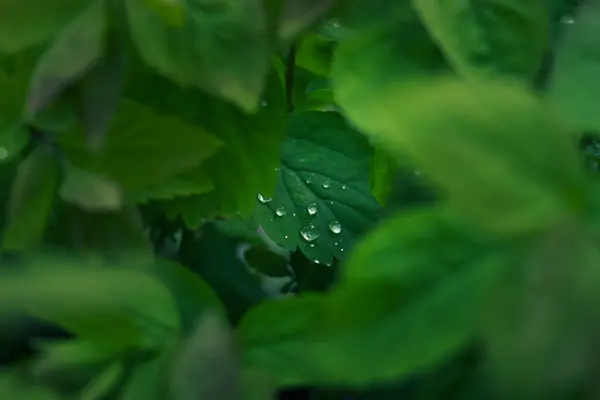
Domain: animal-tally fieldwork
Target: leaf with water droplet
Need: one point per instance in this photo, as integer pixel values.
(280, 212)
(323, 185)
(263, 199)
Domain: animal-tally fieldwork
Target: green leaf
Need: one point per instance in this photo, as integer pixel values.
(12, 386)
(315, 54)
(90, 191)
(573, 86)
(246, 162)
(206, 365)
(414, 307)
(31, 198)
(71, 54)
(171, 11)
(104, 383)
(196, 183)
(322, 200)
(27, 23)
(266, 262)
(507, 37)
(300, 14)
(147, 381)
(97, 304)
(144, 147)
(384, 169)
(222, 47)
(507, 165)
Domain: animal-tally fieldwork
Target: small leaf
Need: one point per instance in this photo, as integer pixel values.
(506, 37)
(75, 51)
(221, 48)
(573, 86)
(24, 24)
(31, 198)
(90, 191)
(322, 200)
(97, 304)
(143, 147)
(206, 366)
(507, 165)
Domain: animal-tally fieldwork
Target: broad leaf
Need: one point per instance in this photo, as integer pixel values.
(507, 165)
(144, 147)
(27, 23)
(322, 201)
(573, 86)
(31, 198)
(221, 47)
(73, 52)
(414, 307)
(97, 304)
(246, 163)
(507, 37)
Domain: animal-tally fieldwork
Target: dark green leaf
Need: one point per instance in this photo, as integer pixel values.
(31, 198)
(574, 86)
(315, 54)
(72, 53)
(31, 22)
(222, 47)
(413, 307)
(300, 14)
(105, 382)
(97, 304)
(12, 386)
(498, 36)
(322, 200)
(489, 129)
(266, 262)
(144, 147)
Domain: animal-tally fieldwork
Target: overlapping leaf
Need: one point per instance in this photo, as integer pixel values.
(322, 201)
(221, 47)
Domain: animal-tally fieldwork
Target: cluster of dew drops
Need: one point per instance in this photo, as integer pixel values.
(309, 233)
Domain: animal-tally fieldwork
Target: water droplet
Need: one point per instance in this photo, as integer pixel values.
(335, 226)
(568, 20)
(285, 237)
(317, 262)
(280, 212)
(263, 199)
(312, 209)
(276, 169)
(3, 153)
(312, 245)
(293, 214)
(328, 264)
(309, 233)
(264, 103)
(335, 243)
(326, 184)
(343, 187)
(342, 249)
(309, 179)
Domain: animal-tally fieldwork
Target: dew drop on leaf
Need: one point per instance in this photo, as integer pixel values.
(312, 245)
(309, 233)
(280, 212)
(312, 209)
(326, 184)
(335, 226)
(263, 199)
(343, 187)
(317, 262)
(568, 20)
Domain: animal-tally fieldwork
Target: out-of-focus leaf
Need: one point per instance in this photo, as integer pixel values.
(90, 191)
(72, 53)
(315, 54)
(31, 198)
(105, 382)
(300, 14)
(225, 54)
(266, 262)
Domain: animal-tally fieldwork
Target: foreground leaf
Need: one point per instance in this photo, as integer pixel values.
(506, 165)
(31, 198)
(322, 201)
(507, 37)
(96, 304)
(232, 65)
(27, 23)
(573, 86)
(75, 50)
(414, 307)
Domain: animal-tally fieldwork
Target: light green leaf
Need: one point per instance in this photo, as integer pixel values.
(90, 191)
(507, 37)
(322, 200)
(31, 198)
(315, 54)
(180, 186)
(67, 59)
(414, 307)
(144, 147)
(27, 23)
(172, 11)
(384, 169)
(12, 386)
(97, 304)
(226, 54)
(206, 365)
(574, 87)
(507, 165)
